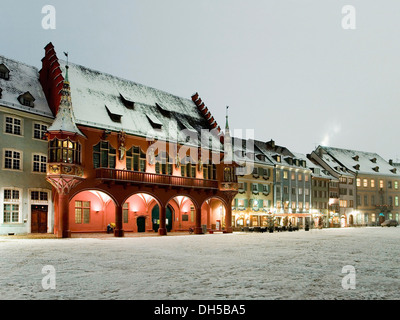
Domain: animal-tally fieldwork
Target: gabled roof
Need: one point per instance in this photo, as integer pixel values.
(23, 79)
(362, 162)
(149, 111)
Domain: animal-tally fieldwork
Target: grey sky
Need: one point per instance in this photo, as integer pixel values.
(286, 68)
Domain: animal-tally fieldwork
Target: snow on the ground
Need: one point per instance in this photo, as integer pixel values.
(289, 265)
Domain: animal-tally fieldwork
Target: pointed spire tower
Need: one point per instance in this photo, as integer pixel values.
(65, 119)
(228, 149)
(64, 170)
(228, 184)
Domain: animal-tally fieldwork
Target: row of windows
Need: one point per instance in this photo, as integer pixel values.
(294, 205)
(371, 183)
(293, 190)
(14, 126)
(285, 174)
(252, 203)
(12, 160)
(255, 187)
(104, 156)
(371, 200)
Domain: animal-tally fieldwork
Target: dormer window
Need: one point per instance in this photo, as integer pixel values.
(373, 160)
(376, 169)
(261, 157)
(163, 110)
(289, 160)
(114, 114)
(394, 170)
(26, 99)
(127, 102)
(155, 123)
(4, 72)
(357, 167)
(356, 158)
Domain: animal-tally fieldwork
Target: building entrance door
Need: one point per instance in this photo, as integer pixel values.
(141, 224)
(39, 219)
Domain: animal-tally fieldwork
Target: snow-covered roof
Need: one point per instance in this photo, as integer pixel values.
(151, 112)
(243, 153)
(287, 158)
(369, 163)
(23, 78)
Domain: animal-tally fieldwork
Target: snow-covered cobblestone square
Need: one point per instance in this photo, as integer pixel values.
(290, 265)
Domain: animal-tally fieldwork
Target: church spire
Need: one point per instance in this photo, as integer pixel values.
(228, 150)
(227, 119)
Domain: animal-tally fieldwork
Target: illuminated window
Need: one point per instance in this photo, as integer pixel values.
(358, 182)
(372, 183)
(285, 174)
(381, 184)
(125, 212)
(343, 203)
(396, 184)
(65, 151)
(365, 183)
(82, 212)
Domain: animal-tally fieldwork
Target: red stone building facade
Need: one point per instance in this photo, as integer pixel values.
(105, 169)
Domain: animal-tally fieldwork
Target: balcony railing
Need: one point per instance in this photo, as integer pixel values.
(153, 178)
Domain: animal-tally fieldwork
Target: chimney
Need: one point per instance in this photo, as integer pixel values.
(391, 162)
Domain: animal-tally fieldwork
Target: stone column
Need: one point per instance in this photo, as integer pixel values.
(162, 230)
(228, 219)
(198, 229)
(63, 219)
(118, 232)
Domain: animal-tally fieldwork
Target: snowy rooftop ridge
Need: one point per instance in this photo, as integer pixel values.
(362, 162)
(23, 78)
(107, 101)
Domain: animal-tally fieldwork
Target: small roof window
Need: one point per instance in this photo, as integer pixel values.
(4, 72)
(129, 103)
(114, 114)
(155, 123)
(26, 99)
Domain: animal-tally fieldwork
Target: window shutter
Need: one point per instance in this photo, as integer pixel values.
(260, 204)
(245, 186)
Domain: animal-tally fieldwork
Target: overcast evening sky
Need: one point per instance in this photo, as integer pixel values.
(286, 68)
